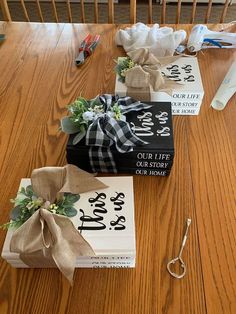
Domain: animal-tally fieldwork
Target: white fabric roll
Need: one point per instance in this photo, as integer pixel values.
(161, 41)
(226, 90)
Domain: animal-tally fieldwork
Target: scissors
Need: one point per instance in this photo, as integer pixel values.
(86, 48)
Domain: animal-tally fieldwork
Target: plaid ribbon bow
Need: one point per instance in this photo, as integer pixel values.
(106, 131)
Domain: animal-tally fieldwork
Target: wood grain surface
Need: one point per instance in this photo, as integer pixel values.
(38, 80)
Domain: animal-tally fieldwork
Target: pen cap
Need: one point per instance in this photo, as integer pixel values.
(226, 90)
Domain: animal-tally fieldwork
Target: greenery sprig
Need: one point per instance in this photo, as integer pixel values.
(27, 203)
(123, 64)
(83, 112)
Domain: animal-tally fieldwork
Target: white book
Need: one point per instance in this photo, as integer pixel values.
(187, 98)
(105, 218)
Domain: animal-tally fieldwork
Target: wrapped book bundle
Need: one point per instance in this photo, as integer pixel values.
(176, 79)
(112, 134)
(66, 218)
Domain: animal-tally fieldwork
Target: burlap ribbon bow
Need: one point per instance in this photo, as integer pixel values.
(146, 73)
(51, 240)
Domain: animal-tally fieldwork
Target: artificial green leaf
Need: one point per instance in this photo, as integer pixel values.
(15, 224)
(20, 199)
(70, 212)
(71, 198)
(22, 190)
(78, 137)
(29, 191)
(26, 216)
(94, 102)
(61, 211)
(82, 101)
(68, 126)
(65, 206)
(15, 213)
(32, 211)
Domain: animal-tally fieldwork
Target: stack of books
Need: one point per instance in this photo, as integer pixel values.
(105, 218)
(154, 126)
(187, 98)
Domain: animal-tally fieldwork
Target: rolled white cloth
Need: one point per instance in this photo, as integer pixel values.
(161, 41)
(226, 90)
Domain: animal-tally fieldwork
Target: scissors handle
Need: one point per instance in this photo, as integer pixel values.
(85, 42)
(86, 48)
(95, 42)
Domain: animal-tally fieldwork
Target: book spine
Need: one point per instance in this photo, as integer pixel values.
(91, 262)
(185, 111)
(138, 166)
(111, 265)
(147, 160)
(144, 164)
(135, 156)
(111, 262)
(90, 265)
(145, 171)
(186, 103)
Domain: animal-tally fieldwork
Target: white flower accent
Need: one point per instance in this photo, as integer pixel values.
(98, 109)
(88, 115)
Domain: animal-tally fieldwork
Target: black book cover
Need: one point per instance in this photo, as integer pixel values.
(153, 125)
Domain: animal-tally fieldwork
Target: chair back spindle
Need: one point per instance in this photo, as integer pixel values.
(82, 11)
(208, 12)
(223, 15)
(69, 11)
(177, 21)
(39, 11)
(133, 9)
(110, 9)
(163, 13)
(150, 11)
(54, 9)
(25, 10)
(194, 7)
(5, 10)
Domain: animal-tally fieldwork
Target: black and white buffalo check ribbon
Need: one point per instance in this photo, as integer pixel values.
(106, 131)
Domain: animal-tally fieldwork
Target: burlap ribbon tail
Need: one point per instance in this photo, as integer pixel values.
(51, 240)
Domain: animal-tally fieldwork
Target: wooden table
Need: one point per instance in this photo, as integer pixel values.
(38, 79)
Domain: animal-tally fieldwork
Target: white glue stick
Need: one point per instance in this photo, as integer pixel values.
(226, 89)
